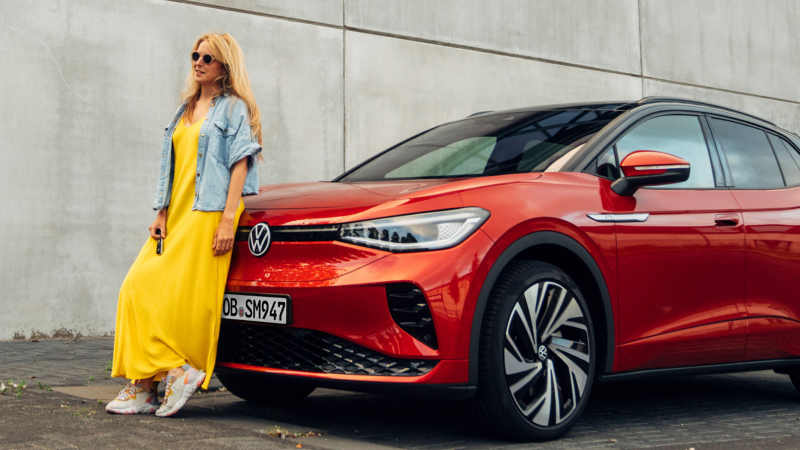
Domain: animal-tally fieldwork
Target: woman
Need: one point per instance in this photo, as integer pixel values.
(169, 308)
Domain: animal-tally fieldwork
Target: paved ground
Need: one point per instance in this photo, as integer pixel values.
(754, 410)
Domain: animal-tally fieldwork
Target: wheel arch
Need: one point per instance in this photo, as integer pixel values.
(562, 251)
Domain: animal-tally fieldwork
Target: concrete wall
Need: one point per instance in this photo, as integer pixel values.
(88, 85)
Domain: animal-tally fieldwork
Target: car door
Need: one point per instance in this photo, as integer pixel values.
(680, 253)
(765, 176)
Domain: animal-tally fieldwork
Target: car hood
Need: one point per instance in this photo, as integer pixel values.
(328, 202)
(333, 195)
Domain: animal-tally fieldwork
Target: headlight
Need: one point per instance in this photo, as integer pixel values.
(416, 232)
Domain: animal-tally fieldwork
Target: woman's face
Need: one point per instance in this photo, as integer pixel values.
(205, 74)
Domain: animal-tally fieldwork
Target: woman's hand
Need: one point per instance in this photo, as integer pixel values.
(161, 224)
(223, 237)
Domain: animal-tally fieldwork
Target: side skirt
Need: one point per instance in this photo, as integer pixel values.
(778, 365)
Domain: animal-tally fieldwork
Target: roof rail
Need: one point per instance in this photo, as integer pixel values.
(479, 113)
(649, 100)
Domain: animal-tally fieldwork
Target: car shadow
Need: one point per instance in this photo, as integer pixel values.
(639, 413)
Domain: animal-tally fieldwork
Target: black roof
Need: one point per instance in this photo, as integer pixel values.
(651, 100)
(624, 106)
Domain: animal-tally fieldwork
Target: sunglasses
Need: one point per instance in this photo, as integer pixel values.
(208, 59)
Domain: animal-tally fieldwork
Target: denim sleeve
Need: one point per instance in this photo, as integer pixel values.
(243, 144)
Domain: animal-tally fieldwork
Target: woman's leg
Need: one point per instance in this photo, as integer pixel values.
(176, 372)
(146, 383)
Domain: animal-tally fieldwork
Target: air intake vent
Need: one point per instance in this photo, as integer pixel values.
(410, 311)
(305, 350)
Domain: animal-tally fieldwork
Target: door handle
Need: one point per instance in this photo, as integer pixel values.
(726, 220)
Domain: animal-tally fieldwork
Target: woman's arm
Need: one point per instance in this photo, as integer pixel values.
(223, 238)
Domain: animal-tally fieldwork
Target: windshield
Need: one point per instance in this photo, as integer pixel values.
(491, 145)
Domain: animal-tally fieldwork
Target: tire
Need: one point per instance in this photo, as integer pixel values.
(533, 386)
(264, 393)
(794, 375)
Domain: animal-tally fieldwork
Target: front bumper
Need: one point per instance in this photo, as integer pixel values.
(343, 334)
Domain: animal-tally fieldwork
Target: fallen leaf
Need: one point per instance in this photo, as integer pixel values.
(613, 440)
(298, 446)
(33, 376)
(34, 340)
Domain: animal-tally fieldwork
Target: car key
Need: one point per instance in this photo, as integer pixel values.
(160, 246)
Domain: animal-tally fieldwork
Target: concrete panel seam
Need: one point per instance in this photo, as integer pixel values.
(641, 51)
(255, 13)
(698, 86)
(344, 93)
(485, 50)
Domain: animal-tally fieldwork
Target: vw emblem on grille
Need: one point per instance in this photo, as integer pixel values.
(542, 352)
(259, 239)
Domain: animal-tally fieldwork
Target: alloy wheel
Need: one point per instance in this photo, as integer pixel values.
(546, 353)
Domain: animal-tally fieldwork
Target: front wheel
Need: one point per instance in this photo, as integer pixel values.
(264, 393)
(537, 352)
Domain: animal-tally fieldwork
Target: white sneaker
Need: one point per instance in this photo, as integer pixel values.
(179, 389)
(134, 400)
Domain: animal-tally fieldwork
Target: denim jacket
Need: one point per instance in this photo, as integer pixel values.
(224, 140)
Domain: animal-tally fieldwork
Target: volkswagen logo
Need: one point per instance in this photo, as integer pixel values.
(542, 352)
(260, 239)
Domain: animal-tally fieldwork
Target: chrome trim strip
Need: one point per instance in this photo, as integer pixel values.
(619, 218)
(672, 166)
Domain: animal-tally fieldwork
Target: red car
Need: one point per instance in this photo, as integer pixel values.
(517, 257)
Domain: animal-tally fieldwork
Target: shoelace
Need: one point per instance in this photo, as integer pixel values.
(129, 391)
(167, 387)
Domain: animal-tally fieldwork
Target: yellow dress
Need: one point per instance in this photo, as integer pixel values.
(170, 305)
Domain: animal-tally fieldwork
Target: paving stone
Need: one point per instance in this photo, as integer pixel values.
(749, 410)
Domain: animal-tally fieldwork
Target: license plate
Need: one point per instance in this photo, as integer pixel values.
(263, 308)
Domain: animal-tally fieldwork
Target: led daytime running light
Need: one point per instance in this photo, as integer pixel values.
(416, 232)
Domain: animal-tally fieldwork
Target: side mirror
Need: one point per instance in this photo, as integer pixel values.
(649, 168)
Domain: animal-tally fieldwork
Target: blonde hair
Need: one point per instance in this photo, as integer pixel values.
(234, 80)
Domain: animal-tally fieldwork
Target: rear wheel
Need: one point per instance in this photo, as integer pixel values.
(537, 354)
(264, 393)
(794, 375)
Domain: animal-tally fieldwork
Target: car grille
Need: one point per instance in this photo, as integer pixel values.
(308, 351)
(314, 233)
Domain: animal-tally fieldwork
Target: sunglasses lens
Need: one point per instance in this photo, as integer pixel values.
(195, 56)
(207, 59)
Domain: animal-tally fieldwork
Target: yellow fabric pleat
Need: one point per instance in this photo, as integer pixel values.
(170, 305)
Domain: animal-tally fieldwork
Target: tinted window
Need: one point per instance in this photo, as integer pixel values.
(681, 136)
(605, 165)
(490, 145)
(749, 154)
(788, 158)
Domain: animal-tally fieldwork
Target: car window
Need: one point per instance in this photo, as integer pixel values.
(496, 144)
(678, 135)
(468, 156)
(605, 165)
(749, 154)
(788, 158)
